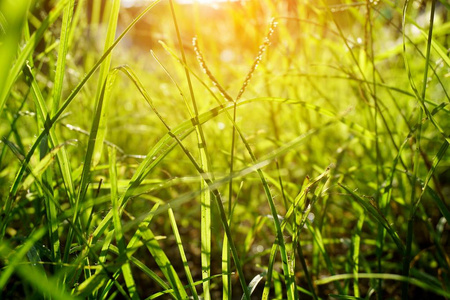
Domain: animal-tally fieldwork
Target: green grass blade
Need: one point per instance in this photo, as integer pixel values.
(126, 270)
(28, 48)
(147, 271)
(46, 286)
(419, 283)
(106, 245)
(254, 283)
(205, 197)
(126, 256)
(62, 53)
(84, 181)
(226, 255)
(40, 168)
(174, 226)
(226, 269)
(75, 22)
(305, 270)
(373, 210)
(62, 159)
(85, 175)
(306, 208)
(13, 15)
(441, 205)
(273, 253)
(420, 97)
(162, 261)
(156, 295)
(18, 255)
(345, 297)
(103, 77)
(317, 236)
(91, 284)
(292, 290)
(356, 253)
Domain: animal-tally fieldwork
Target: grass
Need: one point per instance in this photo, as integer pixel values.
(294, 149)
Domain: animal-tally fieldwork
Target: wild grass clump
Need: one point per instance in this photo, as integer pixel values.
(236, 150)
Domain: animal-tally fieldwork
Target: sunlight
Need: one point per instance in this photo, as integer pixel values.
(130, 3)
(204, 1)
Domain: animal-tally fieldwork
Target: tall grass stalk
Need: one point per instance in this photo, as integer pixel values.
(126, 270)
(421, 97)
(205, 198)
(292, 291)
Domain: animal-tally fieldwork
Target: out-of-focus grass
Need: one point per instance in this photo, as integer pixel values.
(308, 161)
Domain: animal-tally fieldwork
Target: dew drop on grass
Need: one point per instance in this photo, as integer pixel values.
(221, 125)
(311, 217)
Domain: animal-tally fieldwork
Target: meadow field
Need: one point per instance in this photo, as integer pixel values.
(250, 149)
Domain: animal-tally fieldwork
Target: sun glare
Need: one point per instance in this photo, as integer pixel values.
(129, 3)
(204, 1)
